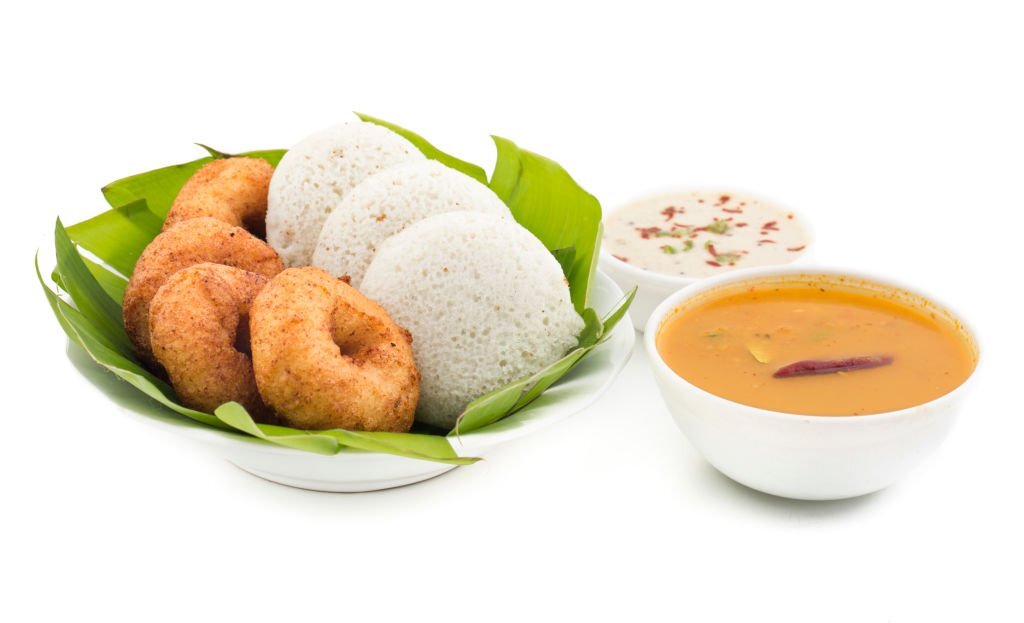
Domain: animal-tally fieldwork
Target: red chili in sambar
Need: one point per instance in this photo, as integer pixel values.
(815, 349)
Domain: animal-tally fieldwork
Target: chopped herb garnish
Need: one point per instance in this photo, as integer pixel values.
(668, 249)
(727, 258)
(718, 227)
(687, 245)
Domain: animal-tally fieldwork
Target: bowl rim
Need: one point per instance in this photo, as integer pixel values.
(667, 306)
(679, 281)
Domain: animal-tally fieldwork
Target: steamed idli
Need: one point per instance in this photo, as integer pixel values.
(388, 202)
(485, 302)
(313, 178)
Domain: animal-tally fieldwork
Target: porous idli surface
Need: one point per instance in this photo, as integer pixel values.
(314, 177)
(388, 202)
(485, 302)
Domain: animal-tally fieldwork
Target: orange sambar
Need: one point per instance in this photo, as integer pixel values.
(734, 343)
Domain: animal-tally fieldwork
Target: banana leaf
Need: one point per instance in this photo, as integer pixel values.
(545, 199)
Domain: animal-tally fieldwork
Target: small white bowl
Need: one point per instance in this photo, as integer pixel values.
(803, 456)
(353, 470)
(652, 287)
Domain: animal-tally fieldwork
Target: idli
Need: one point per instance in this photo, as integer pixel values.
(388, 202)
(313, 178)
(485, 301)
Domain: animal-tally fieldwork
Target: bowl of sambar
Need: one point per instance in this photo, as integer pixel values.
(810, 383)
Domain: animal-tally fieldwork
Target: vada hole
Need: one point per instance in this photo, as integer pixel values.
(347, 349)
(243, 340)
(351, 345)
(256, 225)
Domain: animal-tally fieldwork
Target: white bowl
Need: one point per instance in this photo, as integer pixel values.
(652, 288)
(803, 456)
(353, 470)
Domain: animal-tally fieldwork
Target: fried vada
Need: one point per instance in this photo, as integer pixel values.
(199, 327)
(325, 356)
(233, 190)
(190, 242)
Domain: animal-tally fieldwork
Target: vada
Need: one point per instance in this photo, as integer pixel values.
(190, 242)
(199, 328)
(233, 190)
(325, 356)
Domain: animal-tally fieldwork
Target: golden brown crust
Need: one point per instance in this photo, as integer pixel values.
(325, 356)
(195, 321)
(233, 190)
(191, 242)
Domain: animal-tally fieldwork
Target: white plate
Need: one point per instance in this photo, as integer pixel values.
(352, 470)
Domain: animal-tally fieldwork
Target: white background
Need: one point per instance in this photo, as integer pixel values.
(895, 127)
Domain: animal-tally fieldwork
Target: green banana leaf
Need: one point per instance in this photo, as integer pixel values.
(545, 199)
(430, 151)
(159, 187)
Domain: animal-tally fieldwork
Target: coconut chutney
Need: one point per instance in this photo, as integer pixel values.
(703, 233)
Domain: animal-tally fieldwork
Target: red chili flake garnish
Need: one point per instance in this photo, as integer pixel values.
(795, 249)
(741, 224)
(711, 249)
(693, 235)
(733, 210)
(647, 232)
(681, 226)
(826, 366)
(700, 201)
(670, 212)
(789, 216)
(715, 264)
(765, 241)
(620, 258)
(724, 199)
(771, 226)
